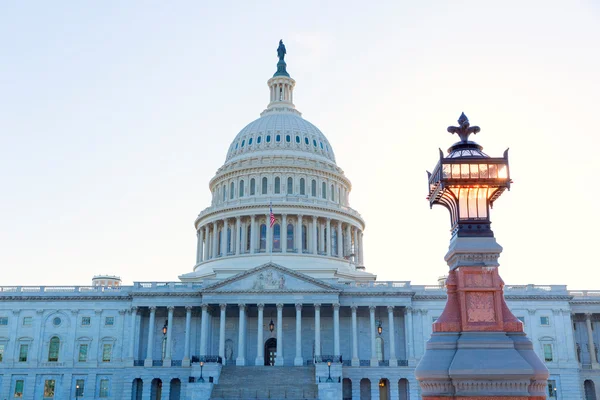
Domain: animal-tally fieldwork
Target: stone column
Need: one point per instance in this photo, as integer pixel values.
(591, 346)
(340, 241)
(206, 238)
(361, 256)
(204, 329)
(241, 358)
(215, 240)
(374, 360)
(408, 326)
(321, 238)
(348, 242)
(298, 243)
(224, 241)
(279, 357)
(355, 359)
(356, 250)
(283, 233)
(238, 236)
(314, 235)
(317, 330)
(188, 328)
(392, 345)
(298, 361)
(170, 310)
(252, 234)
(336, 329)
(222, 320)
(329, 236)
(260, 359)
(199, 248)
(268, 238)
(150, 348)
(133, 327)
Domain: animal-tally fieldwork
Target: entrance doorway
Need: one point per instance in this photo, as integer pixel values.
(270, 351)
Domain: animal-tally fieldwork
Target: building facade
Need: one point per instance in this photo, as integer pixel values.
(279, 303)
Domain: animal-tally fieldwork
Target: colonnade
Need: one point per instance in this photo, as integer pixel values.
(298, 359)
(251, 234)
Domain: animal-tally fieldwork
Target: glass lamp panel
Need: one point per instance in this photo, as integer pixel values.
(472, 202)
(455, 171)
(482, 196)
(464, 171)
(463, 204)
(446, 171)
(483, 170)
(474, 171)
(502, 171)
(493, 171)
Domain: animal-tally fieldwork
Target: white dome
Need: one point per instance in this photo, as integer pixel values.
(281, 132)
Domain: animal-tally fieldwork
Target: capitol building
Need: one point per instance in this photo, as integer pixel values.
(280, 303)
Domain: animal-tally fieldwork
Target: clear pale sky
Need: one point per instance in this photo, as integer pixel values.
(114, 116)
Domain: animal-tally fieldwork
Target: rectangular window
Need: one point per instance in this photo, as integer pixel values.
(79, 388)
(548, 352)
(27, 321)
(23, 350)
(19, 388)
(86, 321)
(522, 319)
(49, 389)
(103, 388)
(109, 321)
(1, 352)
(552, 389)
(545, 321)
(106, 352)
(3, 321)
(83, 350)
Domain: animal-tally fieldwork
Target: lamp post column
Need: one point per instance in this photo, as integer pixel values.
(283, 233)
(188, 327)
(298, 361)
(241, 358)
(355, 359)
(317, 330)
(222, 320)
(314, 235)
(392, 329)
(149, 349)
(238, 236)
(374, 360)
(170, 311)
(591, 346)
(260, 359)
(279, 358)
(336, 329)
(329, 235)
(340, 241)
(204, 329)
(132, 334)
(252, 234)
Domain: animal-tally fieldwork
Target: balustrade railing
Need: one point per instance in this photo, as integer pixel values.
(328, 358)
(207, 359)
(138, 363)
(157, 363)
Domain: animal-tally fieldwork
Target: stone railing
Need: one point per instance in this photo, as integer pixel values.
(585, 293)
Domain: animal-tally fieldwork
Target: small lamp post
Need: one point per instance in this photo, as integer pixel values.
(165, 327)
(271, 326)
(201, 380)
(379, 328)
(329, 377)
(77, 392)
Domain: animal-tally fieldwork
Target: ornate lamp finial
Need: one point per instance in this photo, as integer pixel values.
(281, 52)
(464, 129)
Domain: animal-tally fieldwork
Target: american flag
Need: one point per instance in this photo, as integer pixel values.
(271, 216)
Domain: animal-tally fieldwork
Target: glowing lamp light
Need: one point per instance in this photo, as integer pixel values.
(379, 328)
(165, 327)
(271, 326)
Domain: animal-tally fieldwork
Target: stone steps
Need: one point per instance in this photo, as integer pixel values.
(292, 383)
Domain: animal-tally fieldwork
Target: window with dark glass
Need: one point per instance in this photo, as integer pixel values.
(224, 193)
(314, 143)
(544, 321)
(3, 321)
(278, 138)
(79, 388)
(290, 236)
(27, 321)
(324, 190)
(276, 237)
(248, 236)
(313, 188)
(548, 352)
(252, 187)
(83, 351)
(53, 348)
(306, 140)
(19, 388)
(49, 388)
(23, 350)
(304, 238)
(277, 185)
(288, 138)
(264, 185)
(109, 321)
(263, 237)
(231, 190)
(106, 352)
(302, 188)
(243, 142)
(332, 194)
(250, 142)
(297, 139)
(103, 388)
(290, 185)
(268, 138)
(258, 139)
(241, 188)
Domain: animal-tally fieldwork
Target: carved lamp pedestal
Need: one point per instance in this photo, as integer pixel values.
(478, 349)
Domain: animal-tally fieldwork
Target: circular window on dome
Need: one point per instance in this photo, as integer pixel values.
(288, 138)
(268, 138)
(243, 142)
(258, 139)
(321, 145)
(297, 139)
(314, 143)
(278, 138)
(56, 321)
(250, 142)
(305, 140)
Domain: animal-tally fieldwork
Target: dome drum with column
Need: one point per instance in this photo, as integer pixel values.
(280, 160)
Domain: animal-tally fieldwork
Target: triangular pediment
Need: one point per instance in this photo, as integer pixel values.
(270, 278)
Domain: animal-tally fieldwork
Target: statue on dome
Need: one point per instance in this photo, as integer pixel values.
(281, 50)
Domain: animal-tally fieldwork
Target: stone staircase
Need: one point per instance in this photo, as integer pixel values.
(262, 383)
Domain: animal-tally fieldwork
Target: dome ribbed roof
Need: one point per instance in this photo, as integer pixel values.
(282, 133)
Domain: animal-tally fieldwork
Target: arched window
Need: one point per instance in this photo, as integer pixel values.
(268, 138)
(248, 236)
(278, 138)
(313, 188)
(302, 188)
(379, 347)
(252, 187)
(334, 242)
(288, 138)
(224, 192)
(277, 237)
(263, 237)
(231, 190)
(297, 139)
(228, 243)
(277, 185)
(241, 188)
(264, 185)
(53, 349)
(290, 185)
(332, 194)
(304, 238)
(250, 142)
(290, 237)
(324, 190)
(258, 139)
(589, 389)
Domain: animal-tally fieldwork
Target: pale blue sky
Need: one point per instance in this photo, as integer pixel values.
(114, 116)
